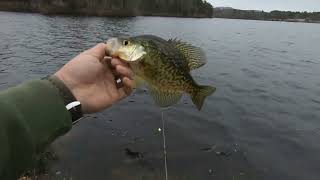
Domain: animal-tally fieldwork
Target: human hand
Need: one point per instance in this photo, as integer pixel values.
(91, 75)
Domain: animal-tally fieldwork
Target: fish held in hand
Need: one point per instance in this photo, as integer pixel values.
(163, 66)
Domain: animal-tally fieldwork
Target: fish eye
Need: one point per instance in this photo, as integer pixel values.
(126, 42)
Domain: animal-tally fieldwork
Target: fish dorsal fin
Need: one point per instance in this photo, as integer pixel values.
(194, 55)
(164, 98)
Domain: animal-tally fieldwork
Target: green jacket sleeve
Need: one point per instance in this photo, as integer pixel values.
(32, 115)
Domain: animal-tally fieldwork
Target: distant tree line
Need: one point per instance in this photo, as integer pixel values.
(261, 15)
(186, 8)
(180, 8)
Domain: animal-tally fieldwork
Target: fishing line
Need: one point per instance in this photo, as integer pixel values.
(164, 146)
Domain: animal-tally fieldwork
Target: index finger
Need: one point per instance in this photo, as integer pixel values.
(98, 51)
(115, 62)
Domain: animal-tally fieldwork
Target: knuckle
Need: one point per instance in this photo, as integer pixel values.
(101, 45)
(118, 67)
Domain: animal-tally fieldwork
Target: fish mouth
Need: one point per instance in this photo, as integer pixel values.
(112, 46)
(128, 53)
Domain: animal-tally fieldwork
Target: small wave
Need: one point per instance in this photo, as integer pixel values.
(259, 91)
(236, 89)
(288, 63)
(251, 73)
(283, 99)
(309, 61)
(295, 85)
(315, 101)
(223, 74)
(288, 43)
(263, 96)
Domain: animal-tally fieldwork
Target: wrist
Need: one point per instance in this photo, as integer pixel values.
(75, 89)
(70, 101)
(70, 85)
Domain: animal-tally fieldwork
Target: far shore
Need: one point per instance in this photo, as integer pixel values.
(125, 15)
(278, 20)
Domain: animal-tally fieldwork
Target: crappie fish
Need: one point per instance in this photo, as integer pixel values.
(163, 66)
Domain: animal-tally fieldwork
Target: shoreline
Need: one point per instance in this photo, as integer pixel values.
(115, 15)
(107, 14)
(273, 20)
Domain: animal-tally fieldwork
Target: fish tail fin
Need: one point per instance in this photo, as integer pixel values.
(200, 95)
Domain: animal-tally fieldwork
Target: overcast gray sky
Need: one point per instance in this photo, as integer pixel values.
(268, 5)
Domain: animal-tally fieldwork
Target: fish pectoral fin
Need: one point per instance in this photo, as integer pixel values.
(164, 98)
(194, 55)
(138, 81)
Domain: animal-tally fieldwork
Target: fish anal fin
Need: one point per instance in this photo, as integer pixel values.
(164, 98)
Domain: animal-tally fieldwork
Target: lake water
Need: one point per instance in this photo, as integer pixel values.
(264, 117)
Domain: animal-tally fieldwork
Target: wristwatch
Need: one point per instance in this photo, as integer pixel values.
(70, 102)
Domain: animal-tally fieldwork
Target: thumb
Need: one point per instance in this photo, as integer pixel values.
(98, 51)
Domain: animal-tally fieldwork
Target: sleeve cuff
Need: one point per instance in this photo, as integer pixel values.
(42, 108)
